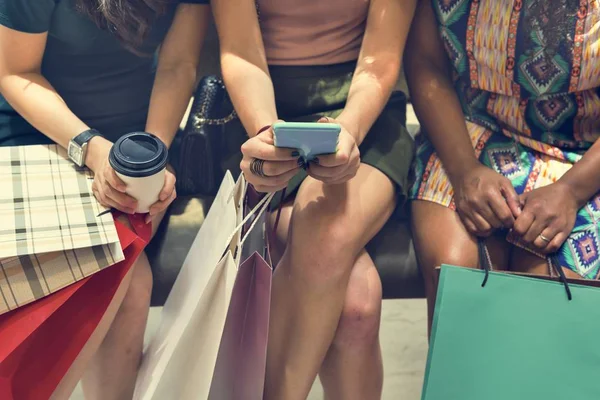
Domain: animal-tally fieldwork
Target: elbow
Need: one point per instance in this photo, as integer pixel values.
(385, 70)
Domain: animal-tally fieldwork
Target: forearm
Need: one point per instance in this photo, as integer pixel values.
(583, 178)
(368, 95)
(171, 94)
(34, 98)
(438, 108)
(251, 92)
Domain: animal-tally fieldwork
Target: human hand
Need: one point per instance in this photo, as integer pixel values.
(107, 187)
(548, 217)
(166, 196)
(340, 167)
(485, 200)
(266, 167)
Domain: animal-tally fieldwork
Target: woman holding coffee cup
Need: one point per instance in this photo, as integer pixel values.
(81, 74)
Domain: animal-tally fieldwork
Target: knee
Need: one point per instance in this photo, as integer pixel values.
(452, 255)
(359, 322)
(137, 299)
(322, 249)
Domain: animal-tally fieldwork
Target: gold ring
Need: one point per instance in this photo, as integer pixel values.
(544, 238)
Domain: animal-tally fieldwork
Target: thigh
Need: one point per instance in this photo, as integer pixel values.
(278, 235)
(349, 214)
(440, 238)
(526, 262)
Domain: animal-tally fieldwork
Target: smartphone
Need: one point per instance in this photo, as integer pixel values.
(309, 138)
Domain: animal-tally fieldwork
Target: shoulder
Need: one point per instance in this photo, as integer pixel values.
(29, 16)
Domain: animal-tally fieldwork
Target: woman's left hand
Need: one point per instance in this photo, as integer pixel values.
(166, 196)
(548, 217)
(340, 167)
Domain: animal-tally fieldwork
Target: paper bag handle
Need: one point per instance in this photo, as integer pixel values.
(485, 263)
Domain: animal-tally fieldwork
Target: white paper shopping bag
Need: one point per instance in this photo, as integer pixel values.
(180, 360)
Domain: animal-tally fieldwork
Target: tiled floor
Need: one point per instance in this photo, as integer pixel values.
(404, 343)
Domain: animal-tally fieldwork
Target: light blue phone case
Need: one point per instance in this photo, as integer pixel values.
(309, 138)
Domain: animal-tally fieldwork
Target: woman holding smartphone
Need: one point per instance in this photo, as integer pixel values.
(83, 71)
(334, 61)
(508, 95)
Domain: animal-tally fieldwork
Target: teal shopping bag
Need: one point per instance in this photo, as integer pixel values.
(514, 338)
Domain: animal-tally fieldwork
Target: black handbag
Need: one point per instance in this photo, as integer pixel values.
(203, 151)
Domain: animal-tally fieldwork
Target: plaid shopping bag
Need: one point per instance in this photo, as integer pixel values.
(53, 232)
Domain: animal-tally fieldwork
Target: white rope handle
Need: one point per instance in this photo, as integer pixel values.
(258, 210)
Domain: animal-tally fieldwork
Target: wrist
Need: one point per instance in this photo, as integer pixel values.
(352, 127)
(457, 170)
(97, 153)
(579, 192)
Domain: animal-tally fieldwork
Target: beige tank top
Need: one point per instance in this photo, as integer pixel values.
(312, 32)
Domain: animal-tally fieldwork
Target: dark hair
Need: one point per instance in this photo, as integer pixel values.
(128, 20)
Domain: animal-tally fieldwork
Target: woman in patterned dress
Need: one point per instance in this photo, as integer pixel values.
(507, 94)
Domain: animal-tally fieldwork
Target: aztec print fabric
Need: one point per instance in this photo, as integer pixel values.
(531, 103)
(53, 231)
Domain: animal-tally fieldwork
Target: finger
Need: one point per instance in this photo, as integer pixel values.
(341, 156)
(114, 181)
(469, 225)
(162, 205)
(254, 148)
(512, 198)
(106, 201)
(272, 168)
(268, 189)
(280, 181)
(124, 201)
(502, 211)
(523, 223)
(488, 214)
(168, 188)
(548, 233)
(534, 231)
(483, 228)
(317, 169)
(557, 242)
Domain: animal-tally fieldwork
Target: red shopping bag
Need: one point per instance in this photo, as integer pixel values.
(40, 341)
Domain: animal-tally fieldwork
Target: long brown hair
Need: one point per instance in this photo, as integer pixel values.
(128, 20)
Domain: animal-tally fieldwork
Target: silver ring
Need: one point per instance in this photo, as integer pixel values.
(544, 238)
(257, 167)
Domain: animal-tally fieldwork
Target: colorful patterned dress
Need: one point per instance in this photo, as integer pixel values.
(531, 113)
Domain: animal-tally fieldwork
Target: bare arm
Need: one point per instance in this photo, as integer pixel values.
(176, 74)
(244, 64)
(378, 65)
(436, 103)
(485, 200)
(32, 96)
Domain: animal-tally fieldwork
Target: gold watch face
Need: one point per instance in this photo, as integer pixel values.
(75, 153)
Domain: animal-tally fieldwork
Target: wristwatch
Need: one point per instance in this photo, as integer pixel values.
(77, 149)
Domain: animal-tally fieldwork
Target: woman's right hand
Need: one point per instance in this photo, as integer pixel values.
(108, 189)
(266, 167)
(485, 200)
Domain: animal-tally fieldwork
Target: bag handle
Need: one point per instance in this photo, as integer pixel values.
(485, 263)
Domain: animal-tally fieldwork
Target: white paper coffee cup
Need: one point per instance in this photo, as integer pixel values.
(140, 159)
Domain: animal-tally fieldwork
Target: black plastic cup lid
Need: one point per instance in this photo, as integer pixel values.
(138, 154)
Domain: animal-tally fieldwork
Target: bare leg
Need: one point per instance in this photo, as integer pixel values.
(447, 243)
(330, 225)
(527, 262)
(110, 359)
(353, 368)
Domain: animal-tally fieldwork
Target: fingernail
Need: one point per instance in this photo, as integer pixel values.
(148, 219)
(295, 153)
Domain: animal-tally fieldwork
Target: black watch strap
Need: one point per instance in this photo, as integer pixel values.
(85, 136)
